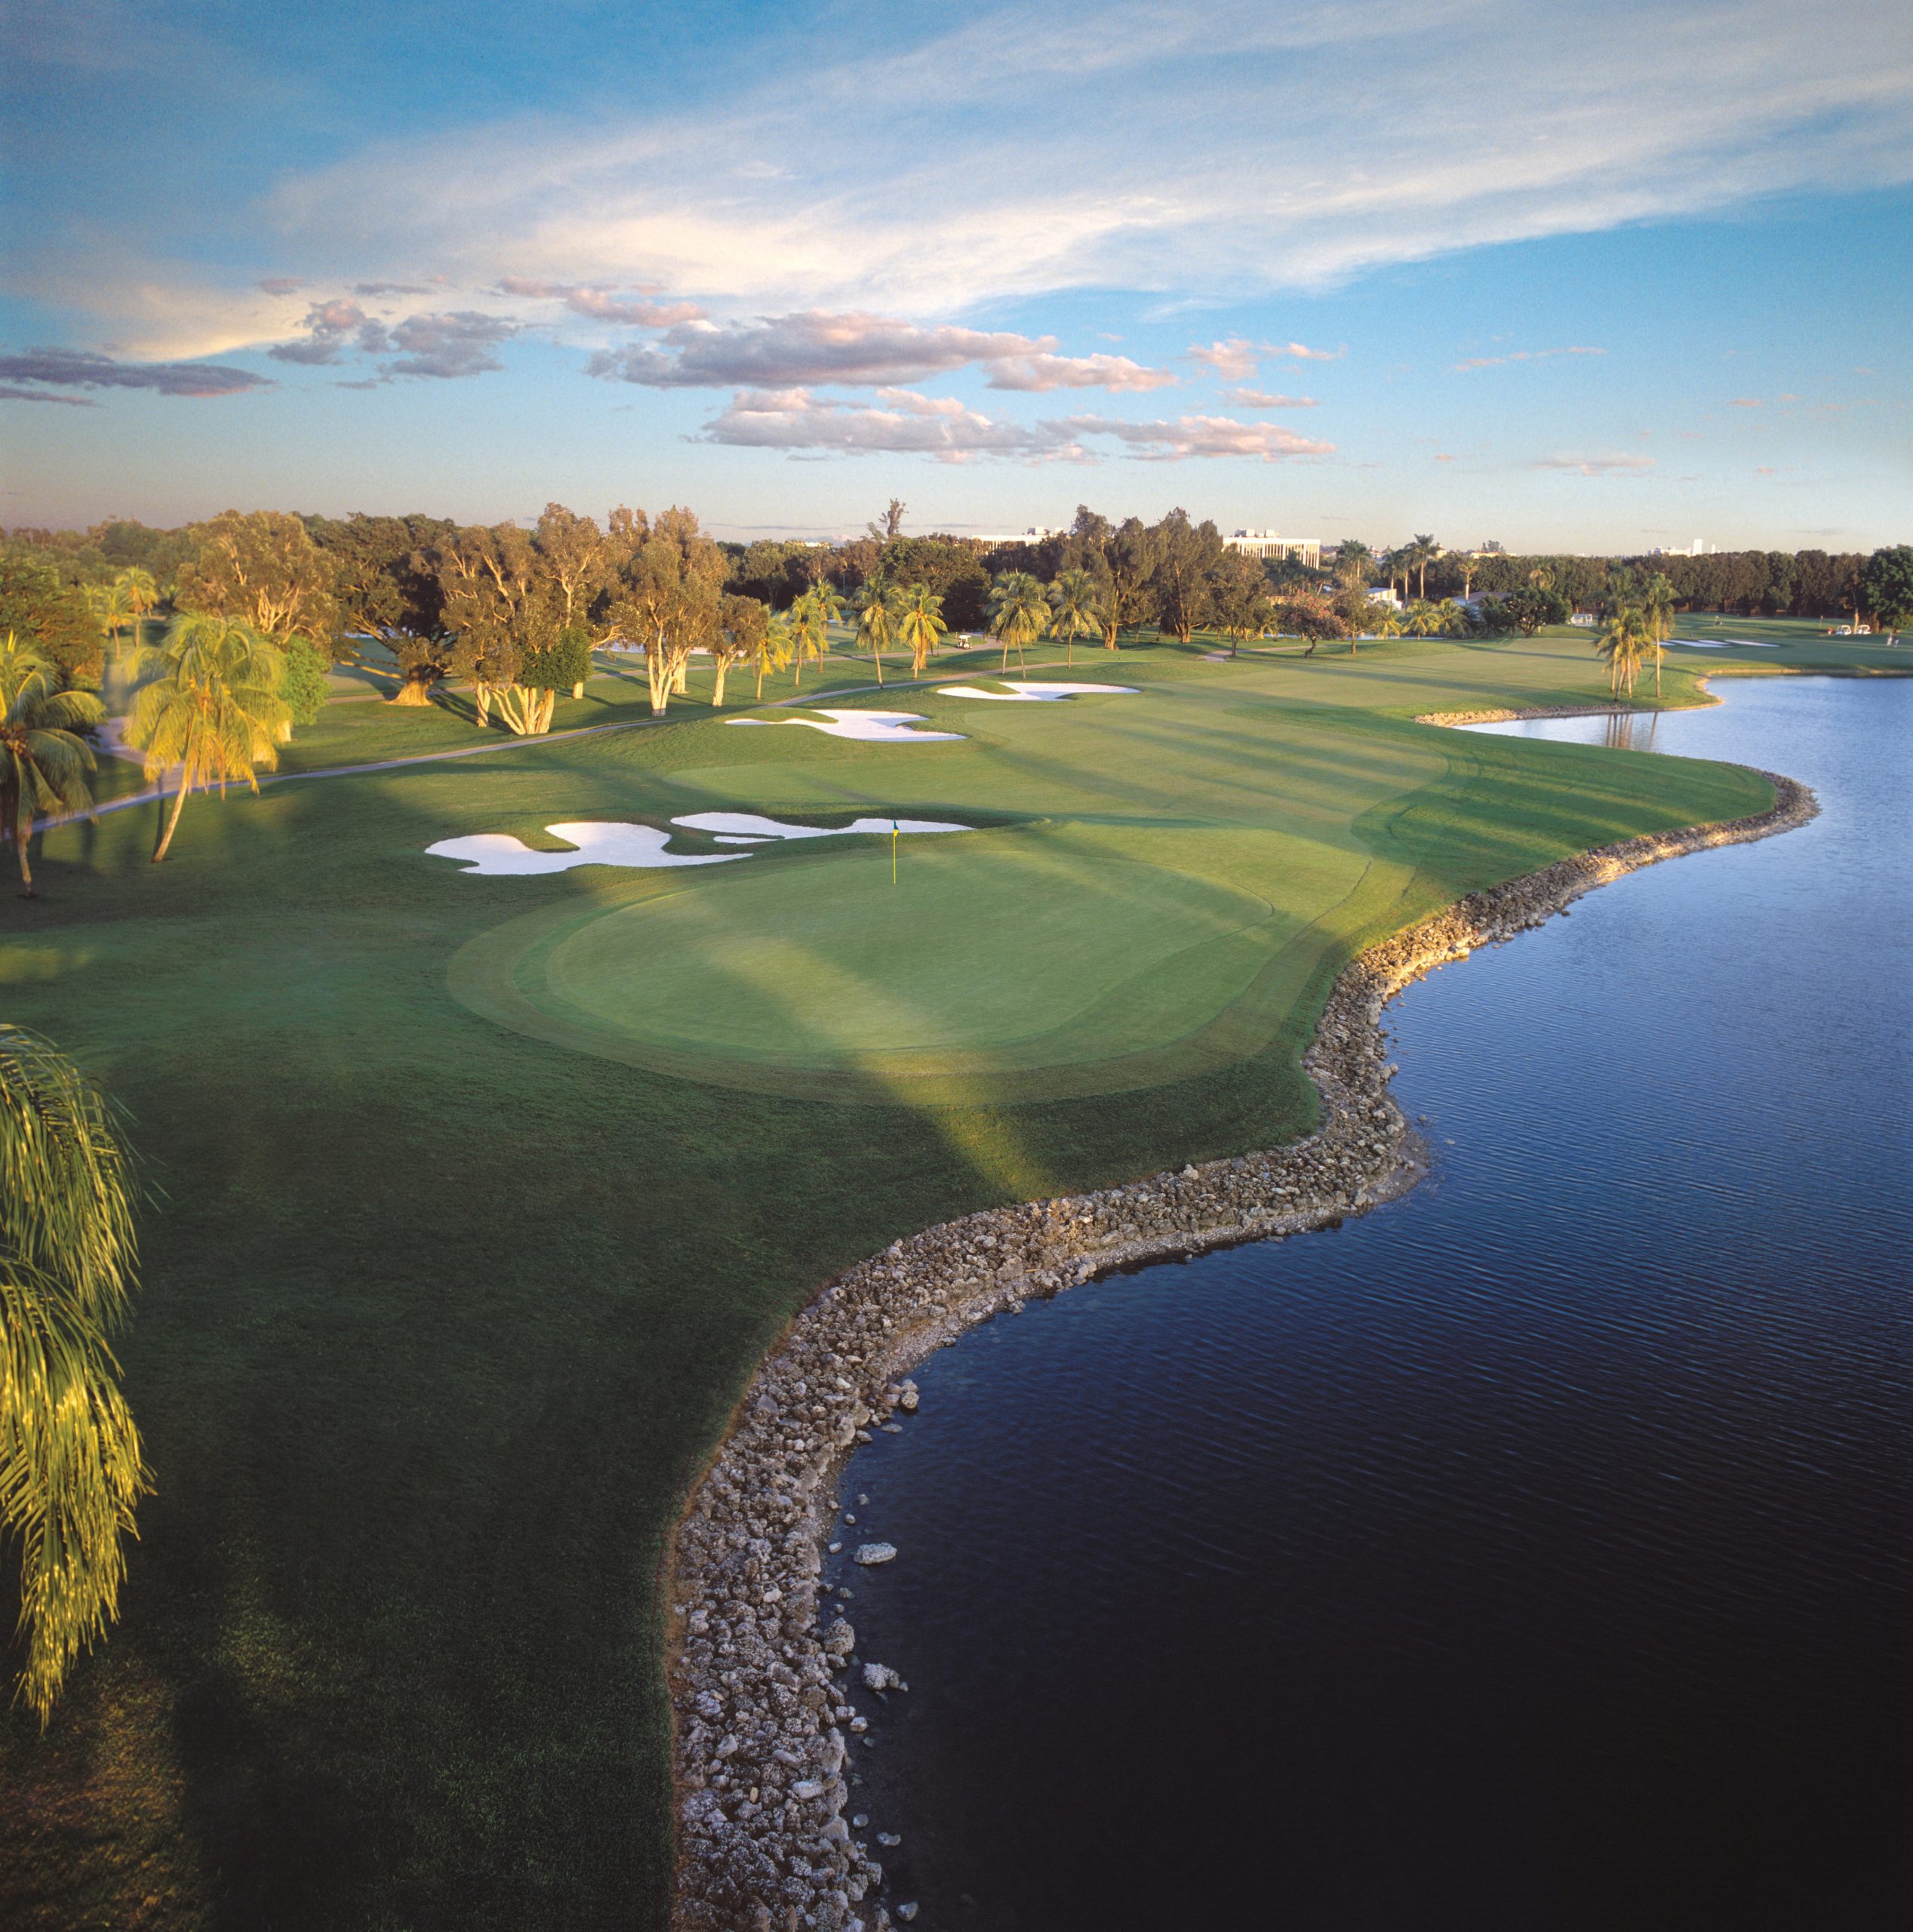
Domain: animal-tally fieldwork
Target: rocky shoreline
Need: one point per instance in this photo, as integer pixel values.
(764, 1717)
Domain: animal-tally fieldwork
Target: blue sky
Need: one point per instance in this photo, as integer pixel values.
(1588, 276)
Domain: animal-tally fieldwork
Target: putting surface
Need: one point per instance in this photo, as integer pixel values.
(1039, 960)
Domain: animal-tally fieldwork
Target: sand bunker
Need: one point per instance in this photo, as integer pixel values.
(1031, 693)
(748, 827)
(886, 727)
(490, 853)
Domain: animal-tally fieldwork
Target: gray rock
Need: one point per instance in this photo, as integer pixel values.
(871, 1553)
(881, 1677)
(907, 1913)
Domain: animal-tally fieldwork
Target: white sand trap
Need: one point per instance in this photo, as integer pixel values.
(881, 728)
(1695, 644)
(492, 853)
(766, 829)
(1029, 692)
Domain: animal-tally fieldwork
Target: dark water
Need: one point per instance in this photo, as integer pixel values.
(1533, 1553)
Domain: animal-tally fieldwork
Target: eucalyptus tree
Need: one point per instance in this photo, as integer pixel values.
(44, 761)
(70, 1464)
(262, 568)
(742, 627)
(920, 625)
(208, 707)
(1020, 614)
(876, 614)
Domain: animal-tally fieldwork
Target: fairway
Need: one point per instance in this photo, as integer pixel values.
(480, 1195)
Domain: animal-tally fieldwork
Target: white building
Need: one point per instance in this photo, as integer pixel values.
(989, 539)
(1266, 544)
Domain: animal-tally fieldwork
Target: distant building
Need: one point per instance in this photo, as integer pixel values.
(991, 540)
(1266, 545)
(1585, 619)
(1699, 547)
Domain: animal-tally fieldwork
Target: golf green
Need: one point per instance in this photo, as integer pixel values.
(1003, 952)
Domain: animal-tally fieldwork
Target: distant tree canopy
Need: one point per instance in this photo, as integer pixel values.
(384, 576)
(41, 606)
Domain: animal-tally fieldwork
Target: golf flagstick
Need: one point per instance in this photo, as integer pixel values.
(893, 851)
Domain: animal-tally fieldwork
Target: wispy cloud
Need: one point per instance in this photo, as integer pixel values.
(1231, 360)
(786, 351)
(1523, 355)
(904, 421)
(1246, 399)
(1198, 436)
(602, 304)
(8, 393)
(76, 368)
(1627, 464)
(951, 197)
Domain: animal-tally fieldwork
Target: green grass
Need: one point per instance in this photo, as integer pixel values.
(441, 1314)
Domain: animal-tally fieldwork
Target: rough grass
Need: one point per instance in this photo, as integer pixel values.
(440, 1317)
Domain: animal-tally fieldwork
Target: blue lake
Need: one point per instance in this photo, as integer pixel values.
(1533, 1553)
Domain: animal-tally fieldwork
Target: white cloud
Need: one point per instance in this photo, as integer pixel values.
(1522, 355)
(901, 420)
(1246, 399)
(1198, 435)
(1629, 465)
(784, 352)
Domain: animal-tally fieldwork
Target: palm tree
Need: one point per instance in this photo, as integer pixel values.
(1078, 611)
(70, 1467)
(1353, 564)
(142, 595)
(209, 703)
(874, 613)
(920, 624)
(775, 647)
(1020, 614)
(1624, 641)
(44, 762)
(110, 604)
(811, 620)
(1421, 553)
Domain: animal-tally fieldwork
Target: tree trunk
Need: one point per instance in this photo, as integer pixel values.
(482, 691)
(717, 689)
(578, 689)
(179, 805)
(22, 835)
(877, 658)
(681, 676)
(660, 683)
(414, 689)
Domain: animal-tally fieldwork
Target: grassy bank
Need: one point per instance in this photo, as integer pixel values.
(441, 1314)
